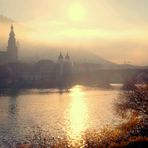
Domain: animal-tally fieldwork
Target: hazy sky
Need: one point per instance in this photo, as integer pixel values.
(113, 29)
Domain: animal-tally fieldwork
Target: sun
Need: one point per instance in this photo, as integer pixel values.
(77, 12)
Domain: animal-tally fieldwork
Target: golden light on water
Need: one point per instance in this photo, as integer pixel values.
(77, 113)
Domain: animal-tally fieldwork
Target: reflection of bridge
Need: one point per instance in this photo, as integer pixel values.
(107, 76)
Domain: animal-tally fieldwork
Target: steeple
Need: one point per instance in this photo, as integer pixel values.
(67, 57)
(12, 48)
(12, 31)
(11, 27)
(60, 56)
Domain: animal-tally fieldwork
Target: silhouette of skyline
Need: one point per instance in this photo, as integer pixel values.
(113, 30)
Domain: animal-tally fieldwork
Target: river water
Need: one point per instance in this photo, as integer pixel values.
(54, 113)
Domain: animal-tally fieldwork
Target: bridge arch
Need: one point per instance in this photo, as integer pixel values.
(116, 77)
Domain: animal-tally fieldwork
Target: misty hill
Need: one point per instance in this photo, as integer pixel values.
(77, 56)
(89, 57)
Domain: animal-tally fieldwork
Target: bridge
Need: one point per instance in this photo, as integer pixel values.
(107, 76)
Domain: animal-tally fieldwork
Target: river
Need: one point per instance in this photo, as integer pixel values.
(54, 113)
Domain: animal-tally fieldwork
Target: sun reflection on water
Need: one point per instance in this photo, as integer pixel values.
(77, 113)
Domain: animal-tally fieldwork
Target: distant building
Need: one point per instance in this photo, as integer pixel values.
(64, 65)
(11, 54)
(67, 68)
(60, 64)
(64, 69)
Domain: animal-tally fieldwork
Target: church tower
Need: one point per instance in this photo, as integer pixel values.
(60, 58)
(60, 64)
(12, 50)
(67, 57)
(67, 66)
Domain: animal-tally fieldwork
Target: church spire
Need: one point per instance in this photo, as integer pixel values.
(12, 34)
(11, 27)
(67, 57)
(60, 56)
(12, 47)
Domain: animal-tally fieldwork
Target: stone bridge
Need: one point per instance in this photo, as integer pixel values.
(107, 76)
